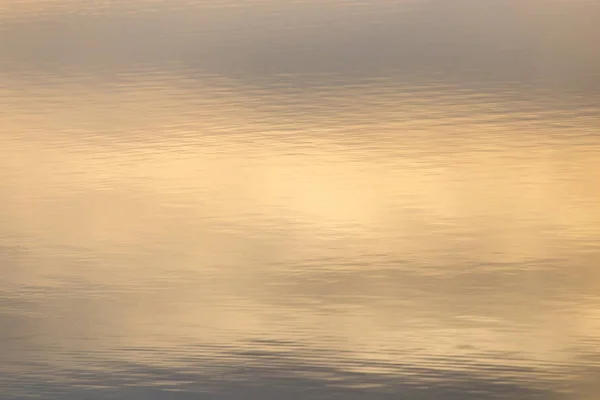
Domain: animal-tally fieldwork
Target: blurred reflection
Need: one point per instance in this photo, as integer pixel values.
(172, 226)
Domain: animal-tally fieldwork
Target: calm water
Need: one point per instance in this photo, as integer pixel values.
(309, 199)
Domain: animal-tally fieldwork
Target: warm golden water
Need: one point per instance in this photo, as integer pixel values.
(299, 200)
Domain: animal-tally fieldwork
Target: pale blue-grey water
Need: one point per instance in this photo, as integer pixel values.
(300, 199)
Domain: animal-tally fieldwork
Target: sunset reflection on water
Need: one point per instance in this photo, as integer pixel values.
(174, 229)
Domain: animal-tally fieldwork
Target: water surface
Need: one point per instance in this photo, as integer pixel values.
(299, 199)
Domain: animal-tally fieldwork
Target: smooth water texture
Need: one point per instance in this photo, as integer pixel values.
(310, 199)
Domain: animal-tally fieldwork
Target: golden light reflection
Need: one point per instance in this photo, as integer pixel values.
(210, 223)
